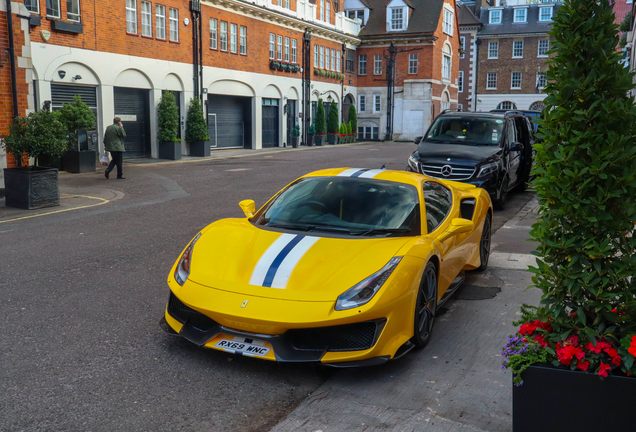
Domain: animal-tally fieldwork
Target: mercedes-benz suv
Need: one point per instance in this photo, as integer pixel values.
(490, 150)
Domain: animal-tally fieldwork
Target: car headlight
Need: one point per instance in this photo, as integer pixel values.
(413, 163)
(365, 290)
(488, 169)
(183, 268)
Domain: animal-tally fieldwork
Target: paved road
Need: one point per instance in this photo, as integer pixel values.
(82, 291)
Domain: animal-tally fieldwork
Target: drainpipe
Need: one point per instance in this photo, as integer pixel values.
(477, 43)
(14, 82)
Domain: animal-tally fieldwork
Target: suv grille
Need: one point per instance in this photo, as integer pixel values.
(457, 172)
(350, 337)
(182, 313)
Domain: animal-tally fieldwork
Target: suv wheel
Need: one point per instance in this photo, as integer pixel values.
(502, 195)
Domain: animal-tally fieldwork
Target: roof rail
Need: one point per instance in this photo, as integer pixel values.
(451, 110)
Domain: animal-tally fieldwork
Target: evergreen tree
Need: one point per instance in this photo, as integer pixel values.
(168, 119)
(196, 128)
(75, 116)
(353, 118)
(333, 118)
(321, 125)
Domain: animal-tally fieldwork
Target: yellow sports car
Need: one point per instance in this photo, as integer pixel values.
(343, 266)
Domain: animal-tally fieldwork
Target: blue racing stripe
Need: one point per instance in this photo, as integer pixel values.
(359, 173)
(269, 277)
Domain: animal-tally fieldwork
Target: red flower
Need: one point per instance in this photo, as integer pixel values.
(603, 368)
(632, 347)
(540, 339)
(572, 340)
(568, 352)
(610, 352)
(583, 365)
(600, 345)
(529, 328)
(616, 360)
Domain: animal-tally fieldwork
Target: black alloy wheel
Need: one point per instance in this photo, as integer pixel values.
(484, 244)
(425, 307)
(502, 196)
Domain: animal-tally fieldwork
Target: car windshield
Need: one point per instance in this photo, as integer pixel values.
(465, 130)
(345, 206)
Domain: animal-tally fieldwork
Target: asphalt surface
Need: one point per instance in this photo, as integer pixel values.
(82, 292)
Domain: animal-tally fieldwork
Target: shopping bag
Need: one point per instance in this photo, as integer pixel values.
(104, 160)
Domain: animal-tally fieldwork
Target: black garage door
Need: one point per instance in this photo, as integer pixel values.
(63, 93)
(270, 123)
(229, 120)
(132, 105)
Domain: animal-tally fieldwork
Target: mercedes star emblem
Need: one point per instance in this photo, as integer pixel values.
(448, 159)
(447, 170)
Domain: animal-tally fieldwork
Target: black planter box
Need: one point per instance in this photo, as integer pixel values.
(200, 148)
(332, 139)
(170, 150)
(558, 400)
(50, 162)
(310, 140)
(319, 139)
(35, 20)
(83, 161)
(31, 187)
(294, 142)
(67, 26)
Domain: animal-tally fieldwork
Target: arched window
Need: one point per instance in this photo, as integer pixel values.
(445, 101)
(446, 61)
(507, 105)
(537, 106)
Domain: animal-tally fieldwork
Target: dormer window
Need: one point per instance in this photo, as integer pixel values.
(397, 19)
(545, 13)
(356, 14)
(495, 16)
(520, 15)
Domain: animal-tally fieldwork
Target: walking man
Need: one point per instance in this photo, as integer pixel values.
(114, 143)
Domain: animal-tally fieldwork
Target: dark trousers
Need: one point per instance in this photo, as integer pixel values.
(118, 159)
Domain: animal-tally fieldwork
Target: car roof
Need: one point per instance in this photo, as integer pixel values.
(480, 114)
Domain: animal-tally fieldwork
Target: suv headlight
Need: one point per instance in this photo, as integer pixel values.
(183, 268)
(364, 291)
(488, 169)
(413, 163)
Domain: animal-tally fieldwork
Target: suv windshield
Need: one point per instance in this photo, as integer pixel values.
(465, 130)
(345, 205)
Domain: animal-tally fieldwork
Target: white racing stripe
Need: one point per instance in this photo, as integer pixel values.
(349, 172)
(371, 173)
(263, 265)
(287, 266)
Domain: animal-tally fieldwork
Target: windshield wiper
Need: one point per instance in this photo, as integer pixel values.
(328, 228)
(384, 231)
(289, 226)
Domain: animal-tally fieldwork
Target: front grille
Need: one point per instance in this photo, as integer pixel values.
(458, 172)
(350, 337)
(182, 313)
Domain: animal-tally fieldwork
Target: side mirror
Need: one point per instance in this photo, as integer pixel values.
(457, 226)
(517, 147)
(248, 207)
(417, 140)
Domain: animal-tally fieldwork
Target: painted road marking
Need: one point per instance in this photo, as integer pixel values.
(103, 201)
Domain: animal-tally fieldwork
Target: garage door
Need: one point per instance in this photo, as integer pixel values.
(132, 105)
(62, 94)
(228, 121)
(270, 122)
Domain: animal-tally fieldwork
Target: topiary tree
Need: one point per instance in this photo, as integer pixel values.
(586, 184)
(168, 119)
(321, 125)
(41, 133)
(196, 127)
(332, 125)
(353, 119)
(75, 116)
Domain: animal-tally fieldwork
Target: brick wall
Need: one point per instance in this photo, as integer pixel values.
(466, 65)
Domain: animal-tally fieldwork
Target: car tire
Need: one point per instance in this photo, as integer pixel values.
(425, 307)
(484, 244)
(500, 202)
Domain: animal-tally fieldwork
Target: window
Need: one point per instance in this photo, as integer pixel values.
(286, 49)
(377, 64)
(350, 61)
(333, 59)
(322, 57)
(362, 103)
(322, 10)
(244, 40)
(356, 14)
(396, 18)
(223, 35)
(545, 14)
(515, 80)
(448, 21)
(294, 58)
(338, 55)
(160, 20)
(460, 107)
(272, 46)
(377, 106)
(53, 9)
(541, 80)
(520, 15)
(316, 61)
(131, 15)
(460, 82)
(491, 80)
(446, 62)
(328, 12)
(493, 50)
(279, 47)
(146, 18)
(286, 5)
(445, 101)
(362, 65)
(33, 5)
(72, 10)
(495, 17)
(174, 25)
(544, 46)
(233, 29)
(462, 47)
(517, 49)
(413, 63)
(438, 201)
(368, 132)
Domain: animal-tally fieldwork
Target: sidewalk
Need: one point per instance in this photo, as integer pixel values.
(455, 383)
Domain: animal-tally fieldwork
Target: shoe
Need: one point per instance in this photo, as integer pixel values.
(121, 178)
(106, 173)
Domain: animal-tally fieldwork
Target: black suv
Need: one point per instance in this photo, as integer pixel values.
(490, 150)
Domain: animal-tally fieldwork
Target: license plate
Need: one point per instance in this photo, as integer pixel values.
(245, 348)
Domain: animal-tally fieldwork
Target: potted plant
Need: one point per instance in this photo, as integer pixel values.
(350, 132)
(39, 134)
(575, 353)
(310, 135)
(168, 122)
(333, 123)
(343, 133)
(295, 134)
(76, 116)
(197, 129)
(321, 125)
(353, 121)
